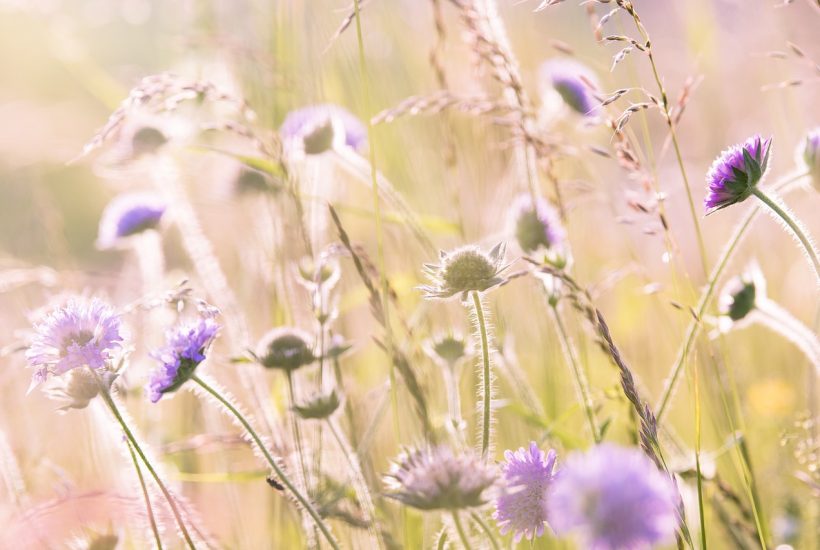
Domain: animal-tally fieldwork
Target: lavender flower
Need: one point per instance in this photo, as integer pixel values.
(464, 270)
(78, 334)
(536, 226)
(129, 214)
(736, 172)
(521, 507)
(611, 498)
(184, 351)
(434, 478)
(809, 154)
(573, 81)
(286, 349)
(316, 128)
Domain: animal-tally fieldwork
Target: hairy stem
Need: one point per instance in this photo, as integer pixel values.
(104, 392)
(152, 520)
(461, 533)
(272, 462)
(793, 224)
(486, 381)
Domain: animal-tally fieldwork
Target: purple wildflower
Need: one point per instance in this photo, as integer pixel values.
(522, 507)
(80, 333)
(435, 478)
(536, 226)
(574, 82)
(185, 350)
(810, 155)
(736, 172)
(313, 127)
(611, 498)
(129, 214)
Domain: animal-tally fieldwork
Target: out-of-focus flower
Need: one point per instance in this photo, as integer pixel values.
(317, 128)
(448, 350)
(742, 293)
(809, 155)
(285, 348)
(736, 171)
(436, 478)
(318, 406)
(573, 81)
(186, 345)
(78, 334)
(613, 497)
(127, 215)
(535, 226)
(78, 387)
(249, 180)
(324, 273)
(522, 505)
(464, 270)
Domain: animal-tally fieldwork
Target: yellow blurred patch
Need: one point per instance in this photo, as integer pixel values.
(771, 398)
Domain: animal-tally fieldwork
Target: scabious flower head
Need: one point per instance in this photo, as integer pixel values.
(285, 348)
(147, 140)
(77, 334)
(809, 155)
(249, 181)
(736, 172)
(448, 350)
(317, 128)
(464, 270)
(318, 406)
(613, 497)
(185, 348)
(127, 215)
(521, 506)
(536, 226)
(76, 388)
(436, 478)
(573, 81)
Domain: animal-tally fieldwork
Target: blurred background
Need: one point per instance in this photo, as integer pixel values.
(67, 65)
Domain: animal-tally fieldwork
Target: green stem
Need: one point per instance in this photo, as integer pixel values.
(297, 434)
(133, 441)
(461, 534)
(150, 510)
(485, 357)
(793, 225)
(487, 531)
(580, 379)
(706, 297)
(279, 472)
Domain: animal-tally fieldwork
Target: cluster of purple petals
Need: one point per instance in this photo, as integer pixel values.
(80, 333)
(521, 506)
(735, 172)
(613, 497)
(536, 225)
(573, 82)
(184, 351)
(129, 214)
(300, 122)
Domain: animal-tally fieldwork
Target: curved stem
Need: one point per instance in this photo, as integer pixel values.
(581, 382)
(484, 527)
(486, 382)
(461, 533)
(781, 212)
(449, 373)
(784, 323)
(706, 297)
(133, 441)
(149, 509)
(359, 482)
(279, 472)
(297, 434)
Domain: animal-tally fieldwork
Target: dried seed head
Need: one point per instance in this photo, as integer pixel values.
(736, 171)
(318, 406)
(464, 270)
(285, 348)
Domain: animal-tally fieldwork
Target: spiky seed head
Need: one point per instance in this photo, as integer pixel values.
(437, 478)
(448, 349)
(318, 406)
(464, 270)
(285, 348)
(736, 172)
